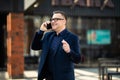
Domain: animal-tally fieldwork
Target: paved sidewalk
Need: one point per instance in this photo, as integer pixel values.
(80, 74)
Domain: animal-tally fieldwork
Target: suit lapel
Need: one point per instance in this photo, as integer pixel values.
(50, 39)
(60, 43)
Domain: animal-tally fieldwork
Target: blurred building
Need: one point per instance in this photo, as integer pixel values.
(84, 18)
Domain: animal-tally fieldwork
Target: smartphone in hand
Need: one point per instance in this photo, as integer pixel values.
(49, 26)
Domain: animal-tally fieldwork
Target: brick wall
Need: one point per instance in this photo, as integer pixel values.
(15, 44)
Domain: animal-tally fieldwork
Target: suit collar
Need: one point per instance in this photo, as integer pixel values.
(62, 33)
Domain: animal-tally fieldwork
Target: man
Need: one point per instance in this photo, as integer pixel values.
(60, 49)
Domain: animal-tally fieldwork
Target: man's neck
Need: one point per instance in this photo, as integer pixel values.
(60, 31)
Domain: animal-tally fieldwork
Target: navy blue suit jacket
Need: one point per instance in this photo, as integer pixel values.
(64, 66)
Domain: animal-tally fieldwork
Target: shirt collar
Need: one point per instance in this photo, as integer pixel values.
(62, 33)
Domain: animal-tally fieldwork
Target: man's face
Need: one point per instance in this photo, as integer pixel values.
(58, 22)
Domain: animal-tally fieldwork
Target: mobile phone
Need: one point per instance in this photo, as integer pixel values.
(49, 26)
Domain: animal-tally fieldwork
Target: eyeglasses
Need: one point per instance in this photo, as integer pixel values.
(56, 19)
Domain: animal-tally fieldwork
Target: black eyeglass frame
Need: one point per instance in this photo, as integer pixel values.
(56, 19)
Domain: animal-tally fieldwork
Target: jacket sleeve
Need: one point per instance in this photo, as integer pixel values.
(37, 41)
(75, 53)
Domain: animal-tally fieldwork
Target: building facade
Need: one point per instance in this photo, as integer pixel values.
(84, 18)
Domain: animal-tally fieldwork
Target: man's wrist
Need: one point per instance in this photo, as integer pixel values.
(68, 51)
(40, 32)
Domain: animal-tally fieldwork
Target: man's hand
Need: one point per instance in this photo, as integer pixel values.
(66, 46)
(44, 26)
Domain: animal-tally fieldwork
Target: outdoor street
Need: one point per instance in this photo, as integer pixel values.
(80, 74)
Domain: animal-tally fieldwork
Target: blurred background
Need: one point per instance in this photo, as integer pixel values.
(96, 22)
